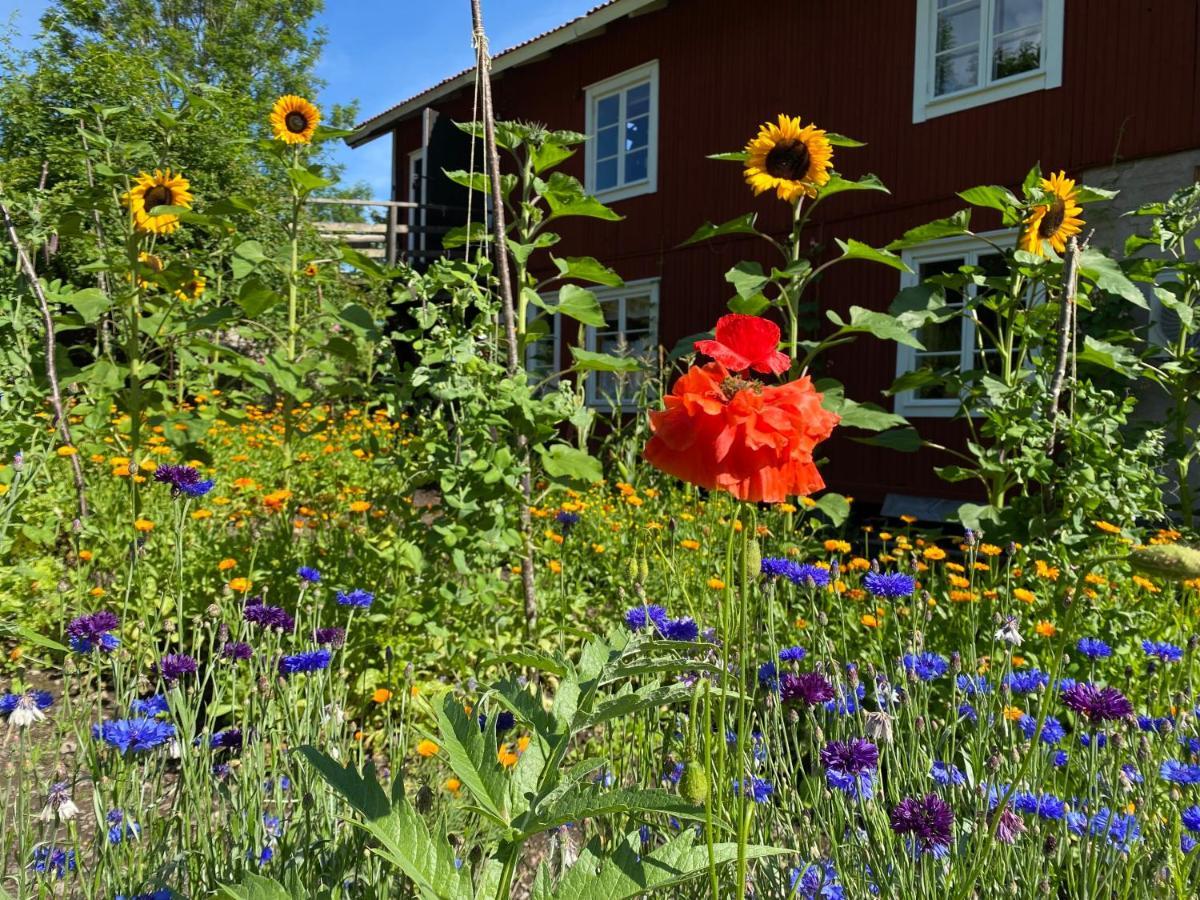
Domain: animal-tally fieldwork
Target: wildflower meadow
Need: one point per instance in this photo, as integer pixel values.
(312, 587)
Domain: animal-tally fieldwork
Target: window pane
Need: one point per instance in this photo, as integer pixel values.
(635, 166)
(956, 71)
(1012, 14)
(606, 142)
(607, 111)
(637, 101)
(942, 337)
(637, 313)
(606, 174)
(958, 27)
(637, 132)
(1019, 52)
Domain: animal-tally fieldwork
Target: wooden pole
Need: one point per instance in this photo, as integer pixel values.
(64, 427)
(507, 308)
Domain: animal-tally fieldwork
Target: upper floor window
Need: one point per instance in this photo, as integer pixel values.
(630, 329)
(622, 128)
(972, 52)
(954, 343)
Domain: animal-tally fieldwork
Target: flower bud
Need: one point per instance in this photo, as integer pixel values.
(1175, 562)
(693, 784)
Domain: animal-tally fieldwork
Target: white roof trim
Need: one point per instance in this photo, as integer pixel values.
(509, 59)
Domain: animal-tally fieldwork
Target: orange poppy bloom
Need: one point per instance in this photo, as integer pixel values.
(755, 441)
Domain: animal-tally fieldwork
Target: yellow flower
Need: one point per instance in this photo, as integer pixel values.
(3, 489)
(785, 508)
(202, 514)
(97, 592)
(523, 743)
(453, 785)
(240, 585)
(990, 550)
(869, 620)
(555, 566)
(160, 189)
(716, 584)
(597, 548)
(1146, 584)
(791, 160)
(66, 451)
(858, 564)
(192, 288)
(553, 536)
(506, 756)
(1025, 596)
(294, 119)
(1018, 661)
(359, 506)
(934, 553)
(427, 748)
(1044, 570)
(1108, 527)
(1045, 628)
(226, 564)
(1014, 713)
(908, 520)
(835, 546)
(1054, 221)
(381, 695)
(311, 270)
(689, 544)
(85, 555)
(143, 525)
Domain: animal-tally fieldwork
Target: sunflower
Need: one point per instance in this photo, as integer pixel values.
(151, 262)
(1055, 221)
(192, 288)
(294, 119)
(160, 189)
(788, 159)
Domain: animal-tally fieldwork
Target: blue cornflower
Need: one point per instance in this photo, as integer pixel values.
(675, 774)
(53, 861)
(309, 575)
(845, 704)
(1164, 651)
(926, 666)
(973, 684)
(889, 585)
(1187, 844)
(947, 774)
(967, 711)
(1026, 682)
(856, 787)
(1121, 829)
(760, 790)
(1060, 758)
(505, 721)
(1179, 772)
(357, 597)
(567, 520)
(768, 676)
(684, 629)
(792, 654)
(134, 735)
(797, 573)
(1157, 725)
(119, 828)
(160, 894)
(185, 481)
(228, 739)
(308, 661)
(1192, 744)
(815, 882)
(1093, 648)
(1130, 773)
(1191, 819)
(153, 705)
(640, 617)
(1052, 729)
(1045, 806)
(1101, 739)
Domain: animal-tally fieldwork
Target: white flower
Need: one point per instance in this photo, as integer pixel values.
(25, 713)
(1008, 633)
(59, 804)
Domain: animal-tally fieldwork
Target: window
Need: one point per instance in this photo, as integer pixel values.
(416, 194)
(630, 329)
(543, 345)
(972, 52)
(621, 153)
(951, 344)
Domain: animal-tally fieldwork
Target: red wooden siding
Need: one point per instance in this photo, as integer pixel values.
(1130, 87)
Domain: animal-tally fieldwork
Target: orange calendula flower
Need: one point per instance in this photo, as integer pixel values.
(869, 620)
(1024, 595)
(143, 525)
(453, 785)
(835, 546)
(689, 544)
(427, 748)
(240, 585)
(1014, 713)
(226, 564)
(381, 695)
(716, 584)
(555, 566)
(934, 553)
(506, 756)
(85, 555)
(66, 451)
(358, 506)
(1045, 628)
(1107, 527)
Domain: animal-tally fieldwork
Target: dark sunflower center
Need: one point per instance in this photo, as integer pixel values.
(296, 122)
(1052, 220)
(159, 195)
(789, 160)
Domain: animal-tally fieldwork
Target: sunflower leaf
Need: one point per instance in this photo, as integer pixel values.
(853, 249)
(837, 185)
(992, 196)
(738, 156)
(708, 231)
(951, 226)
(1086, 194)
(906, 440)
(1107, 275)
(587, 268)
(840, 140)
(588, 361)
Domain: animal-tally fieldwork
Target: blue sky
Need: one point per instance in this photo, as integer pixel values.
(382, 51)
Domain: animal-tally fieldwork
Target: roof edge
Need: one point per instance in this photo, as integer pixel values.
(519, 55)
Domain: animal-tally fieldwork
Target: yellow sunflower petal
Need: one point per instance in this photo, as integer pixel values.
(160, 189)
(790, 159)
(294, 119)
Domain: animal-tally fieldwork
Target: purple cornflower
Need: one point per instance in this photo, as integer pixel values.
(332, 637)
(1009, 827)
(308, 661)
(792, 654)
(237, 651)
(854, 756)
(92, 630)
(926, 666)
(684, 629)
(1164, 651)
(809, 688)
(1098, 704)
(357, 597)
(640, 617)
(309, 575)
(228, 739)
(929, 821)
(265, 616)
(134, 735)
(1093, 648)
(889, 585)
(185, 481)
(174, 666)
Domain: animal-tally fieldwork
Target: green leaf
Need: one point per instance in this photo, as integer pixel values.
(840, 140)
(471, 753)
(838, 185)
(549, 155)
(90, 303)
(257, 887)
(649, 697)
(881, 325)
(906, 440)
(28, 634)
(975, 515)
(587, 268)
(531, 659)
(476, 181)
(565, 197)
(951, 226)
(836, 507)
(867, 416)
(749, 306)
(362, 263)
(1109, 356)
(708, 231)
(991, 196)
(747, 279)
(737, 156)
(361, 791)
(522, 252)
(255, 297)
(588, 361)
(306, 180)
(475, 232)
(563, 461)
(1107, 275)
(1087, 194)
(578, 303)
(853, 249)
(587, 801)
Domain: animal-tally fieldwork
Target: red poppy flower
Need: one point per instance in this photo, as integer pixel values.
(725, 433)
(746, 342)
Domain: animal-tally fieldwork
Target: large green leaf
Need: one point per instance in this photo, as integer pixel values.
(991, 196)
(578, 303)
(90, 303)
(588, 801)
(879, 324)
(708, 231)
(651, 696)
(906, 440)
(836, 507)
(951, 226)
(837, 185)
(747, 279)
(587, 268)
(1107, 275)
(565, 197)
(471, 753)
(257, 887)
(564, 461)
(853, 249)
(1109, 356)
(589, 361)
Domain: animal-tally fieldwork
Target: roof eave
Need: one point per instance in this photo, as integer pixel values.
(520, 55)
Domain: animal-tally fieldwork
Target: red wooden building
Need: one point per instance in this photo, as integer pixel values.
(946, 93)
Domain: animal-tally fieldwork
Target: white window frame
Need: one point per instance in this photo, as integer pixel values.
(620, 294)
(593, 94)
(416, 194)
(1048, 75)
(906, 403)
(554, 338)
